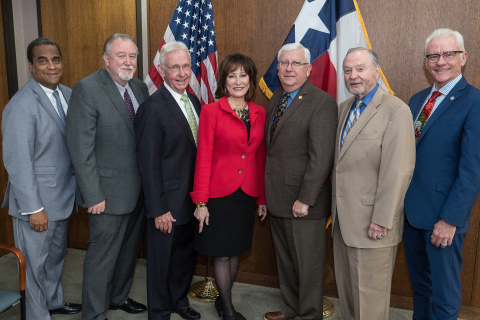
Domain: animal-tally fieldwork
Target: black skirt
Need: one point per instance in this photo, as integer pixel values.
(230, 228)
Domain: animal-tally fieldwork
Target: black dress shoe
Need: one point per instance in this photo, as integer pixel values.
(188, 313)
(68, 308)
(130, 306)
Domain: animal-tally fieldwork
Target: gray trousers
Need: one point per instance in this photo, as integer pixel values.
(110, 261)
(44, 255)
(300, 250)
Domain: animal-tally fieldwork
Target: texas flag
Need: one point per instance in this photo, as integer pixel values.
(328, 28)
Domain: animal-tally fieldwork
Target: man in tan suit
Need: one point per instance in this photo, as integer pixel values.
(374, 161)
(299, 138)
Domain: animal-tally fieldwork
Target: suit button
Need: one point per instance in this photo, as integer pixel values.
(240, 171)
(243, 156)
(269, 155)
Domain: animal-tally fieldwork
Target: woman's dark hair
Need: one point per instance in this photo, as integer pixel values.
(231, 63)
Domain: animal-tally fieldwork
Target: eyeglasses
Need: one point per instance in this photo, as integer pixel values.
(294, 64)
(176, 67)
(448, 56)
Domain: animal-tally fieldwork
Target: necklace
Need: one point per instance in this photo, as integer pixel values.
(235, 107)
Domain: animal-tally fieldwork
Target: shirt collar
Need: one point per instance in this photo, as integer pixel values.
(292, 94)
(445, 90)
(48, 91)
(121, 88)
(175, 94)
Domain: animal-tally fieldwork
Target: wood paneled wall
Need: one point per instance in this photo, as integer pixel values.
(397, 31)
(6, 228)
(80, 28)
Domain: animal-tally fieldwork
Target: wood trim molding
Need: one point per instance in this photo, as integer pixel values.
(10, 53)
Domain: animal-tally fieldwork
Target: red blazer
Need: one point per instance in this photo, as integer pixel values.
(226, 161)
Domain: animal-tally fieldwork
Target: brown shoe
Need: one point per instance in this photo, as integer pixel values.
(277, 315)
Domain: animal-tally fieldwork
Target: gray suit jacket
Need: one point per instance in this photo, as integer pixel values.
(101, 141)
(373, 171)
(40, 173)
(299, 157)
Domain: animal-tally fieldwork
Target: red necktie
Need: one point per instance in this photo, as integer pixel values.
(425, 114)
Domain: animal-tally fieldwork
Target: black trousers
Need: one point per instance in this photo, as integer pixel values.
(170, 264)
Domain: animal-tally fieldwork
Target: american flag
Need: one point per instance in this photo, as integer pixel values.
(192, 23)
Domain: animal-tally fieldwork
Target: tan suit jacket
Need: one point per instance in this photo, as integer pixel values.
(373, 170)
(299, 156)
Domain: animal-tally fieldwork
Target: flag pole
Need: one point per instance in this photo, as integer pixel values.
(205, 290)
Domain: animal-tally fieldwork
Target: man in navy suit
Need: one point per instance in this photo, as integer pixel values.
(446, 180)
(166, 135)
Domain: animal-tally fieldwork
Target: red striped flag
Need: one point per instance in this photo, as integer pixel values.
(192, 23)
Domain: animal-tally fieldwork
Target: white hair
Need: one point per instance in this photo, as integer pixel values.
(373, 56)
(444, 32)
(294, 46)
(171, 47)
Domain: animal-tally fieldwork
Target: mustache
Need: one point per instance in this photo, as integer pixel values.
(126, 67)
(355, 82)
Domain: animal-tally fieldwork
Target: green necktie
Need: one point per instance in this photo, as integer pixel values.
(192, 121)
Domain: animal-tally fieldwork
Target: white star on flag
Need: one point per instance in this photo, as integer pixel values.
(309, 19)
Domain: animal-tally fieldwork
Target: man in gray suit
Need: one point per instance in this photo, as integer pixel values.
(41, 181)
(299, 139)
(101, 141)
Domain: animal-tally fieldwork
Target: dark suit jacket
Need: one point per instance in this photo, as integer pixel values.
(166, 156)
(299, 157)
(446, 180)
(101, 141)
(226, 159)
(35, 154)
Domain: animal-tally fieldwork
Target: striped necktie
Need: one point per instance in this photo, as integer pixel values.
(60, 111)
(352, 118)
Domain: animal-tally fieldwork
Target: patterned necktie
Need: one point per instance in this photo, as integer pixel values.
(192, 121)
(425, 114)
(61, 113)
(352, 118)
(129, 105)
(280, 110)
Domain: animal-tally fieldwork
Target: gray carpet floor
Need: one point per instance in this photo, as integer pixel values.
(252, 301)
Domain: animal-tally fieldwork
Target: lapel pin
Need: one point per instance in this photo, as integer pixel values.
(300, 98)
(452, 97)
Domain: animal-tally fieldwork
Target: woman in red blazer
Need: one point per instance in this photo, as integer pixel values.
(229, 174)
